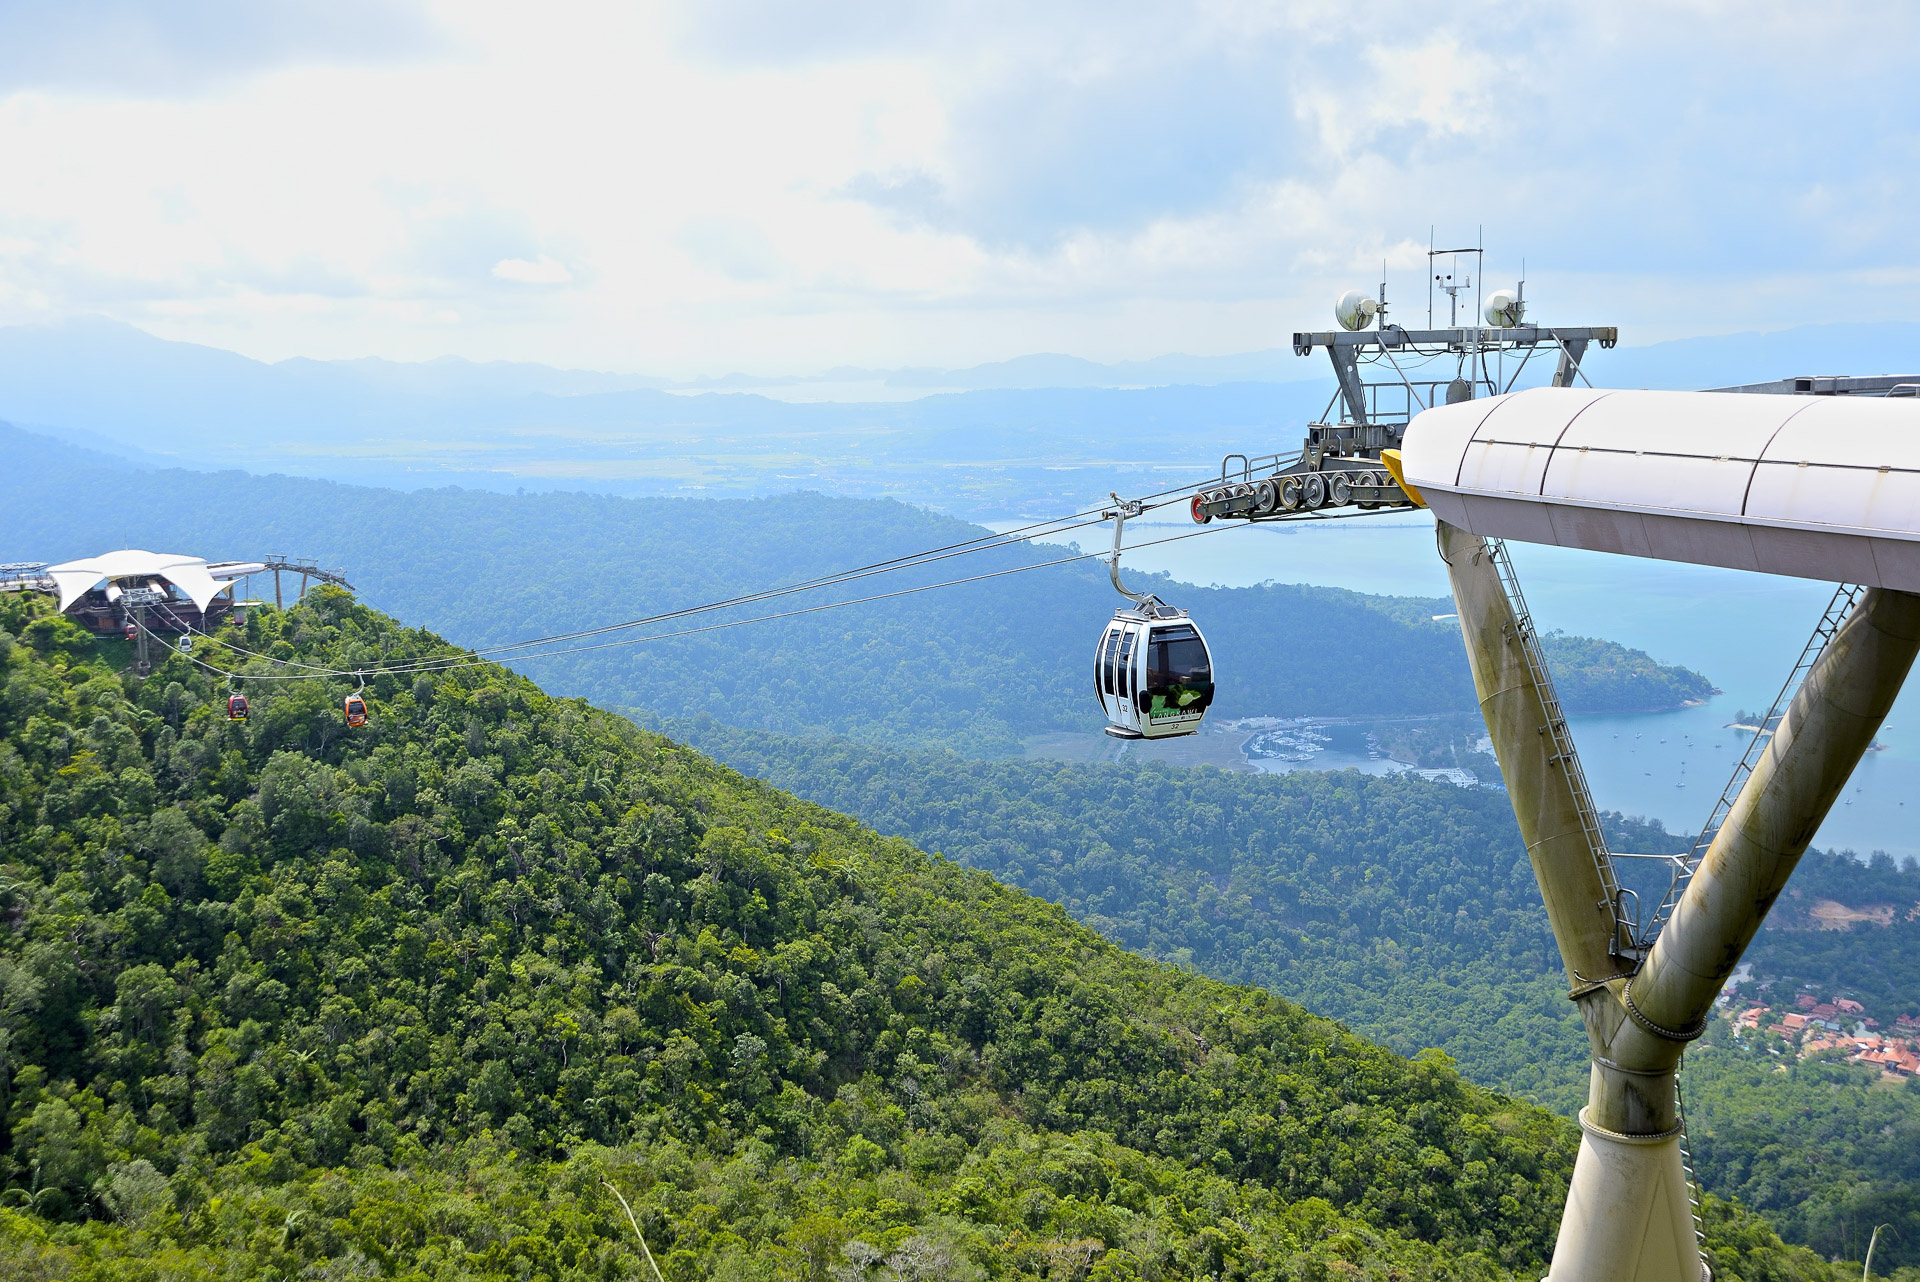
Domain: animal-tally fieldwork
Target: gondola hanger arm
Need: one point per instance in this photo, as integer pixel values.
(1118, 514)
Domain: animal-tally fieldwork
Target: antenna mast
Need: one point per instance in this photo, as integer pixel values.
(1386, 374)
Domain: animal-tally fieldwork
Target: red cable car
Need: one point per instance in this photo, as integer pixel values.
(356, 709)
(236, 707)
(133, 633)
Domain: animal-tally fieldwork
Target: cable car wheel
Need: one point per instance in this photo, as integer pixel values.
(1340, 492)
(1378, 480)
(1313, 491)
(1266, 498)
(1289, 493)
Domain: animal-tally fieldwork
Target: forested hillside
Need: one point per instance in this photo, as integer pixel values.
(980, 666)
(1408, 910)
(285, 999)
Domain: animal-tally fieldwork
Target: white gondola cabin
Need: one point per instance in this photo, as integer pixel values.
(1153, 673)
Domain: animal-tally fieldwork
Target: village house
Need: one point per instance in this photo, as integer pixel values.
(1904, 1063)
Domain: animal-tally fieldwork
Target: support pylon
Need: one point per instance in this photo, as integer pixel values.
(1628, 1216)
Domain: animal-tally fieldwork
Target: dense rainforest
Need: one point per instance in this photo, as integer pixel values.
(282, 999)
(1408, 910)
(980, 666)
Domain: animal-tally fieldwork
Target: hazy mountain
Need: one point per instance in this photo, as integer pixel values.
(1020, 437)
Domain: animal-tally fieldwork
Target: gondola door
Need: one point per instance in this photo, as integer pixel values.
(1104, 678)
(1121, 652)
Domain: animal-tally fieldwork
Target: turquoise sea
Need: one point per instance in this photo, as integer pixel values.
(1744, 631)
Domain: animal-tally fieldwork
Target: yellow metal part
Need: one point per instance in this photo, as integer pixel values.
(1392, 459)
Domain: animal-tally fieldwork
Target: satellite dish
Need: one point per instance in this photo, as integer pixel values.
(1355, 310)
(1505, 308)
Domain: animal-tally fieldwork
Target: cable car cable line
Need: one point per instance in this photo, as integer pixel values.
(983, 543)
(505, 651)
(469, 659)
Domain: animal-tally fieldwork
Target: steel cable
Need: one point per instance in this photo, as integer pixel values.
(474, 658)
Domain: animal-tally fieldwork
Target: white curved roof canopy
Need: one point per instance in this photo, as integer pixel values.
(188, 573)
(1814, 487)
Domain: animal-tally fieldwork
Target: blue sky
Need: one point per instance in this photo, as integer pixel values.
(780, 187)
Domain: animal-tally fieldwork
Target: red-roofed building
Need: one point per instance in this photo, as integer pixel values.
(1750, 1017)
(1905, 1063)
(1825, 1010)
(1806, 1001)
(1793, 1024)
(1848, 1006)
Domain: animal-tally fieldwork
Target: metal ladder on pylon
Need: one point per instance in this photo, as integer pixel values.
(1686, 1165)
(1835, 614)
(1563, 750)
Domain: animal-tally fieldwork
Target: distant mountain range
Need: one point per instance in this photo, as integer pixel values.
(989, 440)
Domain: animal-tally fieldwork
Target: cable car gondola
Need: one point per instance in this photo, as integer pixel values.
(356, 709)
(236, 707)
(1151, 670)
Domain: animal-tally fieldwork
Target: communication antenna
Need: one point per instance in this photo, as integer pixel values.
(1453, 281)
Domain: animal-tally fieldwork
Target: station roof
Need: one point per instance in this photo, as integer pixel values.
(1819, 487)
(191, 574)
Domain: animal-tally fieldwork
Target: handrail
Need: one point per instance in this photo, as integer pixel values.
(1685, 865)
(1565, 756)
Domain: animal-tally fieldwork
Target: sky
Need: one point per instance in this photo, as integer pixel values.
(781, 187)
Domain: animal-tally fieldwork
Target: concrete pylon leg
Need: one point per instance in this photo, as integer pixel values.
(1543, 788)
(1629, 1216)
(1826, 730)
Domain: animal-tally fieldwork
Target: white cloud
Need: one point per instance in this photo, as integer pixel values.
(182, 47)
(538, 271)
(722, 187)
